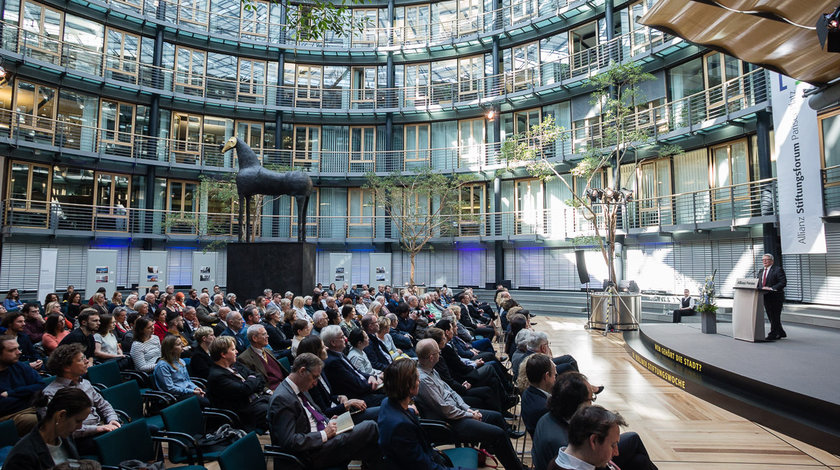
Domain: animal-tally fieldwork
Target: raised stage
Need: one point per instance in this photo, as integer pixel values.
(791, 385)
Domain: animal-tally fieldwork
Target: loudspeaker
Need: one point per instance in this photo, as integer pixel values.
(580, 260)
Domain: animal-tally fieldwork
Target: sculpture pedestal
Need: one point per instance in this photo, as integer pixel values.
(279, 266)
(708, 323)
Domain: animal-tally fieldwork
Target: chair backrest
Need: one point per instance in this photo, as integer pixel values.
(126, 398)
(8, 433)
(284, 361)
(184, 416)
(244, 453)
(131, 441)
(107, 374)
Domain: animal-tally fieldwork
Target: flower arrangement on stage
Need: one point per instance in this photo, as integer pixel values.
(707, 295)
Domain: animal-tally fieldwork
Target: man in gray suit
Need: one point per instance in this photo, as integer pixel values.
(298, 426)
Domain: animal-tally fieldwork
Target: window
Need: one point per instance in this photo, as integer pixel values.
(586, 133)
(444, 20)
(36, 107)
(82, 48)
(416, 146)
(193, 12)
(307, 146)
(117, 123)
(416, 85)
(360, 209)
(72, 198)
(29, 185)
(186, 138)
(470, 77)
(362, 148)
(730, 172)
(112, 201)
(529, 211)
(415, 26)
(311, 215)
(221, 77)
(524, 120)
(643, 38)
(724, 83)
(363, 87)
(471, 142)
(469, 16)
(524, 64)
(471, 205)
(41, 32)
(308, 85)
(584, 48)
(521, 10)
(252, 75)
(189, 71)
(369, 21)
(830, 139)
(181, 206)
(254, 20)
(122, 56)
(654, 189)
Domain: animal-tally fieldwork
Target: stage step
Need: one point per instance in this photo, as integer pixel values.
(803, 417)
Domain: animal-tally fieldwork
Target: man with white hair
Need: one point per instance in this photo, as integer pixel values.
(344, 378)
(218, 303)
(150, 299)
(220, 327)
(204, 311)
(258, 357)
(235, 329)
(319, 320)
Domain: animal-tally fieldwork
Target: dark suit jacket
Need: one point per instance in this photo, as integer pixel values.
(377, 353)
(200, 363)
(534, 406)
(549, 436)
(458, 369)
(402, 440)
(325, 399)
(31, 453)
(204, 315)
(401, 340)
(276, 338)
(344, 378)
(227, 391)
(288, 424)
(777, 280)
(252, 361)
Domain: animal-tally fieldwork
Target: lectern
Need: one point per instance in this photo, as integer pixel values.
(748, 311)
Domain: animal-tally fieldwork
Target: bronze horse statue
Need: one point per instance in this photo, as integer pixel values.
(253, 179)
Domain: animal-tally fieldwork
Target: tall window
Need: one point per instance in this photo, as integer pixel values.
(471, 140)
(730, 170)
(360, 209)
(363, 84)
(41, 32)
(369, 18)
(193, 12)
(415, 25)
(181, 204)
(723, 88)
(469, 16)
(362, 148)
(29, 186)
(471, 205)
(307, 147)
(189, 71)
(529, 216)
(36, 108)
(308, 85)
(584, 48)
(116, 120)
(252, 76)
(416, 146)
(643, 38)
(654, 189)
(122, 55)
(254, 20)
(470, 77)
(524, 64)
(186, 138)
(416, 85)
(112, 201)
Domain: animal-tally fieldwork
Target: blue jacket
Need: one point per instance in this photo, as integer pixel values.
(402, 440)
(534, 406)
(22, 383)
(241, 338)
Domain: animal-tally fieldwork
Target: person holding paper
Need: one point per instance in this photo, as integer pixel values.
(298, 426)
(772, 279)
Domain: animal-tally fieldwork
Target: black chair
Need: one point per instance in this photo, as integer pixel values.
(248, 453)
(133, 441)
(187, 422)
(108, 374)
(132, 405)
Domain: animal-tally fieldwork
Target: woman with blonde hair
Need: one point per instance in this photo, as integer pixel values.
(300, 311)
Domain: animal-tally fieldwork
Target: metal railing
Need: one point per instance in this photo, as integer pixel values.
(202, 150)
(831, 188)
(753, 199)
(260, 26)
(255, 88)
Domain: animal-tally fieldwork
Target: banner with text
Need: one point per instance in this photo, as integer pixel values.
(799, 183)
(46, 277)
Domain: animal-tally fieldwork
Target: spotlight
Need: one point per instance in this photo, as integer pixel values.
(828, 31)
(491, 114)
(594, 194)
(627, 195)
(610, 194)
(2, 72)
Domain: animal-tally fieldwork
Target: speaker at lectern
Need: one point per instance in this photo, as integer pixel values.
(748, 311)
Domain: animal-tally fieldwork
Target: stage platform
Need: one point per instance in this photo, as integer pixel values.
(791, 385)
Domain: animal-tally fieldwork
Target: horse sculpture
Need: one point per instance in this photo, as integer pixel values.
(253, 179)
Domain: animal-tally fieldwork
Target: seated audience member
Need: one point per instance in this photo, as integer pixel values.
(230, 301)
(319, 321)
(278, 341)
(74, 306)
(107, 347)
(300, 312)
(401, 438)
(358, 342)
(221, 325)
(491, 374)
(175, 327)
(171, 374)
(121, 322)
(12, 302)
(406, 319)
(301, 329)
(54, 331)
(572, 391)
(541, 375)
(206, 315)
(19, 384)
(348, 320)
(160, 327)
(189, 325)
(235, 329)
(116, 301)
(453, 313)
(192, 299)
(88, 320)
(259, 358)
(307, 305)
(537, 342)
(145, 347)
(99, 303)
(128, 337)
(300, 427)
(234, 387)
(376, 351)
(344, 377)
(14, 323)
(384, 336)
(49, 445)
(593, 440)
(516, 322)
(33, 321)
(401, 339)
(69, 364)
(441, 402)
(322, 393)
(200, 361)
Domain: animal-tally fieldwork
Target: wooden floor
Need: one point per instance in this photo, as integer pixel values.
(680, 431)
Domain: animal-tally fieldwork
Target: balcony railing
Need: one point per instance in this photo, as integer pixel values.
(260, 26)
(255, 88)
(831, 188)
(201, 150)
(732, 205)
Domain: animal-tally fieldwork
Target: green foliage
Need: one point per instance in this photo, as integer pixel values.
(312, 20)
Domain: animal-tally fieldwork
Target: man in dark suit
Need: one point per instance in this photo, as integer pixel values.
(541, 375)
(299, 427)
(773, 281)
(259, 358)
(234, 387)
(376, 351)
(344, 378)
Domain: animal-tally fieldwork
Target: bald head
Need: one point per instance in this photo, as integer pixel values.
(427, 352)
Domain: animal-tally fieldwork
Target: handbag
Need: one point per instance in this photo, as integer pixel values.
(220, 439)
(484, 459)
(139, 465)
